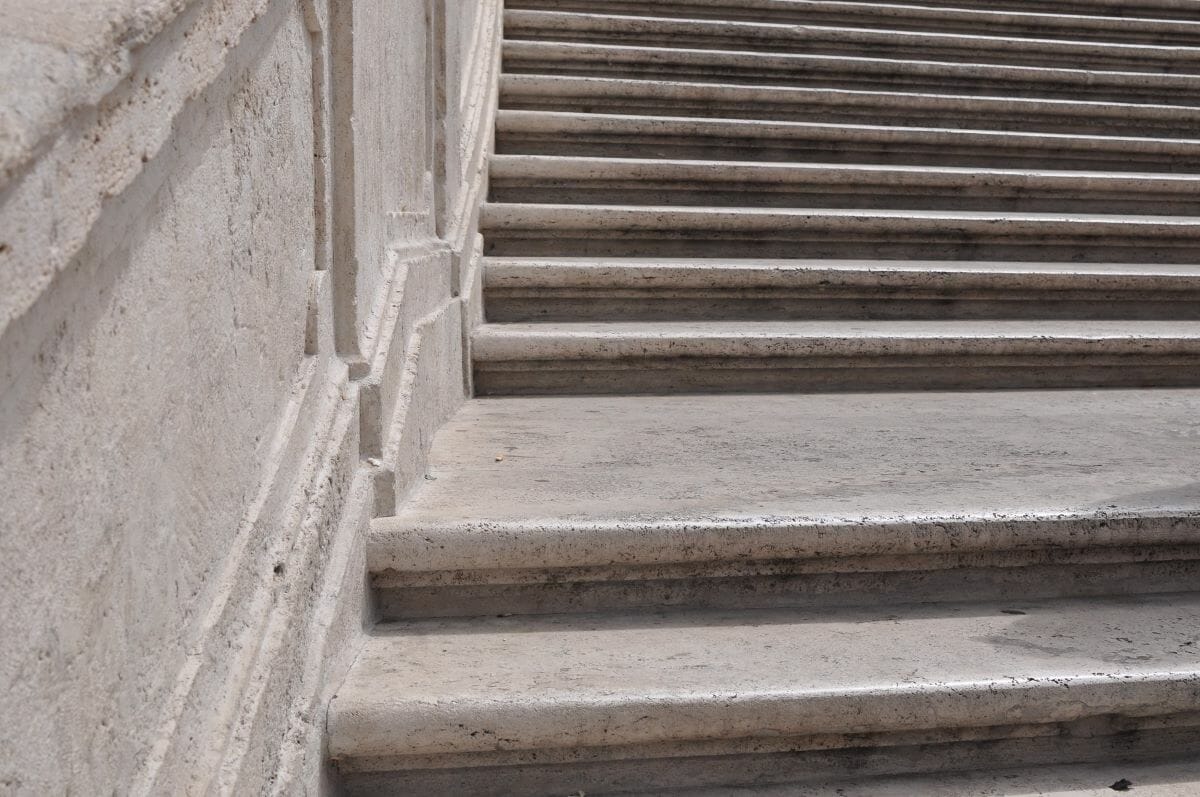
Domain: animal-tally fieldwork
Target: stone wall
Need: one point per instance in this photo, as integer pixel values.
(232, 234)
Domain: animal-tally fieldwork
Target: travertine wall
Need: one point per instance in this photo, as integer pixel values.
(231, 238)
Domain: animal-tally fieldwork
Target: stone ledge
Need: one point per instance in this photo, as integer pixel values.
(59, 55)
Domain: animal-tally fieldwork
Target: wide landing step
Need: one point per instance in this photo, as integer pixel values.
(587, 503)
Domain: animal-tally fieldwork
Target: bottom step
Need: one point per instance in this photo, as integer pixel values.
(619, 703)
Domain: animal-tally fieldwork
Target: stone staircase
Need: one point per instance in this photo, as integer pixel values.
(843, 417)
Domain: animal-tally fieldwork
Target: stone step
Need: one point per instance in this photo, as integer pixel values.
(848, 72)
(1170, 22)
(616, 135)
(698, 356)
(852, 41)
(536, 505)
(549, 179)
(839, 105)
(598, 289)
(667, 231)
(616, 703)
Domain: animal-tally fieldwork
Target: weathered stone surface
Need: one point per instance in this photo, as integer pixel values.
(566, 474)
(761, 500)
(564, 685)
(188, 467)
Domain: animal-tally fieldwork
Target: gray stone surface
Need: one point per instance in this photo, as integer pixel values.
(563, 683)
(978, 78)
(659, 181)
(627, 135)
(915, 108)
(521, 229)
(556, 482)
(544, 505)
(665, 289)
(682, 356)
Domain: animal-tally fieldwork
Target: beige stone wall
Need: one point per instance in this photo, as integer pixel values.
(230, 248)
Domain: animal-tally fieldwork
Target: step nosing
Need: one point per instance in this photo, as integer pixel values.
(417, 543)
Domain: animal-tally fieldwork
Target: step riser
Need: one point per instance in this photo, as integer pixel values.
(700, 375)
(1015, 576)
(537, 230)
(663, 33)
(982, 114)
(898, 196)
(546, 304)
(1146, 28)
(809, 761)
(856, 76)
(913, 152)
(604, 243)
(615, 290)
